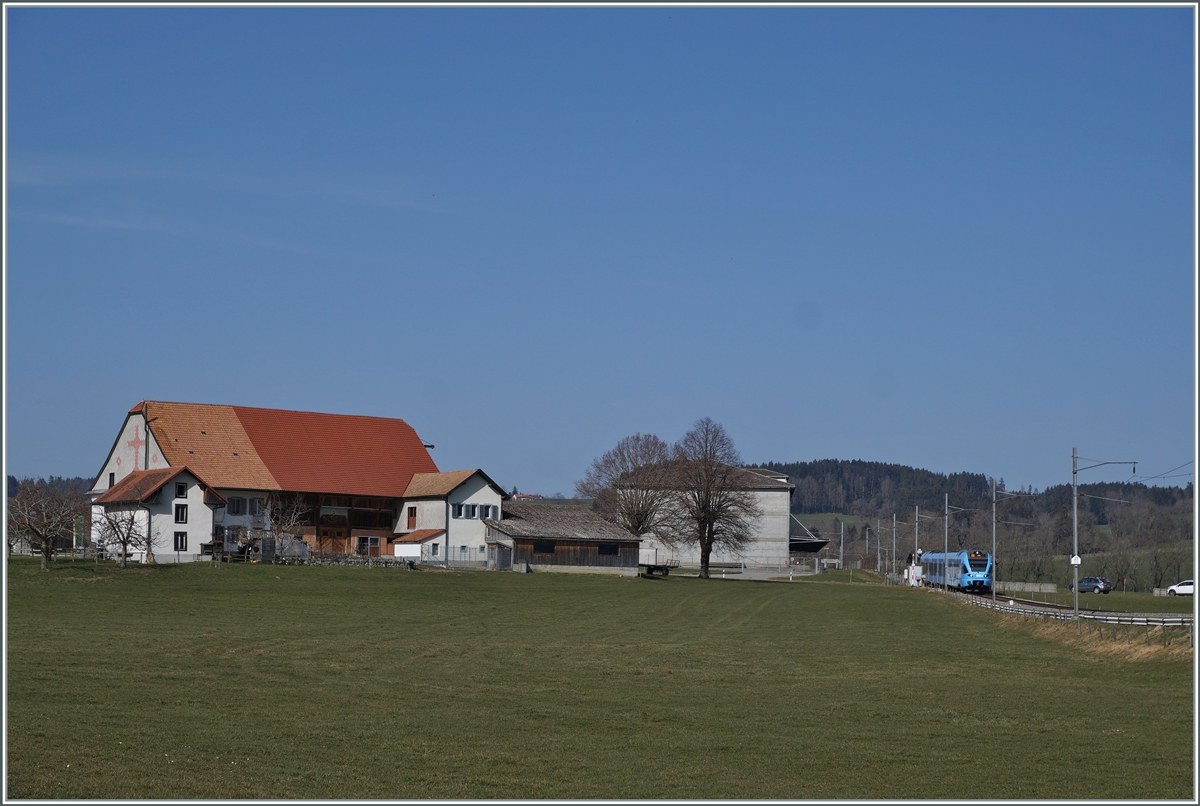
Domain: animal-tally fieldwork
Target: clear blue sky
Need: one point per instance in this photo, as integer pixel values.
(959, 239)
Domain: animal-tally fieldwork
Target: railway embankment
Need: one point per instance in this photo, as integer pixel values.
(1125, 636)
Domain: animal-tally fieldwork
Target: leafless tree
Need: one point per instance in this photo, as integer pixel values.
(43, 515)
(713, 504)
(631, 481)
(122, 528)
(284, 513)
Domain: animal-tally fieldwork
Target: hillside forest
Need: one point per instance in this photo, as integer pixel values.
(1140, 534)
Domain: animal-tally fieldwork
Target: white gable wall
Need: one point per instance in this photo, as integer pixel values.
(431, 514)
(198, 529)
(134, 450)
(468, 531)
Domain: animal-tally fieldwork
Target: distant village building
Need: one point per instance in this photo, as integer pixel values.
(359, 477)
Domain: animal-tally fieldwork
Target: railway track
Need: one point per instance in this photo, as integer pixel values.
(1014, 604)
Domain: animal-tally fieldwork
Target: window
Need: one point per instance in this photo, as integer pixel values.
(181, 541)
(181, 513)
(412, 517)
(545, 547)
(180, 489)
(482, 549)
(256, 506)
(470, 510)
(609, 550)
(237, 506)
(462, 549)
(485, 511)
(456, 510)
(435, 549)
(112, 479)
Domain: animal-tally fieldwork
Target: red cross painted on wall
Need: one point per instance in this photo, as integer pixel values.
(136, 443)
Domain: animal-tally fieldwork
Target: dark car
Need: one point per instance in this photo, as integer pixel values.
(1092, 585)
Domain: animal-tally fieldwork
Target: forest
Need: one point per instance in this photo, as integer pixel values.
(1130, 532)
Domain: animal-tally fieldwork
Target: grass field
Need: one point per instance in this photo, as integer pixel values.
(298, 682)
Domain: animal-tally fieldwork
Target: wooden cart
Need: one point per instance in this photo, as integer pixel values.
(663, 567)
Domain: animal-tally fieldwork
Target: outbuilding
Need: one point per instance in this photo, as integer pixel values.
(559, 537)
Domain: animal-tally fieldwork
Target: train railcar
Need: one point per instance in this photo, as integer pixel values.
(967, 571)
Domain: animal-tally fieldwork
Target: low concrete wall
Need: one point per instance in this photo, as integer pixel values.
(578, 569)
(1027, 587)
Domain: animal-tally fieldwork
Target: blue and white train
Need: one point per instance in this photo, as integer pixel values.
(967, 571)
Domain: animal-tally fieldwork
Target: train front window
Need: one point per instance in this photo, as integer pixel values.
(978, 563)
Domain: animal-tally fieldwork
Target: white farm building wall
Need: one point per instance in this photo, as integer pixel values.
(768, 546)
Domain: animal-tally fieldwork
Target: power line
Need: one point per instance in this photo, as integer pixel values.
(1102, 498)
(1164, 475)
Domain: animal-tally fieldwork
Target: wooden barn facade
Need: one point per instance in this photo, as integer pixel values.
(559, 537)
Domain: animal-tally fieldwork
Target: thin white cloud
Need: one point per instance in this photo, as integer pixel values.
(165, 228)
(48, 171)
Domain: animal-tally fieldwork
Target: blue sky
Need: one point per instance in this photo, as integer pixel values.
(959, 239)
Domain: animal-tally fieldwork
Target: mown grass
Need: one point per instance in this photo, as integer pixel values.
(296, 682)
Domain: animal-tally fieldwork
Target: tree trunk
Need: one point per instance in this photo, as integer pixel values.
(706, 544)
(45, 556)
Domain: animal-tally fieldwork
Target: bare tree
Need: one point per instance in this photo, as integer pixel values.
(121, 528)
(632, 482)
(713, 503)
(43, 515)
(284, 514)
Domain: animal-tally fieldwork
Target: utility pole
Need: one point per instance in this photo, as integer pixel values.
(893, 544)
(878, 534)
(946, 550)
(1075, 558)
(841, 544)
(994, 566)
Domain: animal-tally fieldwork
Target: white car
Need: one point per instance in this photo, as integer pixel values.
(1185, 588)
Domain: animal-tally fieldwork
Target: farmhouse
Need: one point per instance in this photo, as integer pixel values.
(559, 537)
(444, 515)
(164, 501)
(769, 544)
(352, 475)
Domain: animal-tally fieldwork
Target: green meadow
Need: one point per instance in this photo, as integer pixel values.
(300, 682)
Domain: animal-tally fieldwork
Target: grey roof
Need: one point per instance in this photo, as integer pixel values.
(562, 522)
(767, 479)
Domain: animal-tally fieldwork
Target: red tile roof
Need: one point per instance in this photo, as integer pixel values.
(239, 447)
(141, 484)
(437, 485)
(419, 536)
